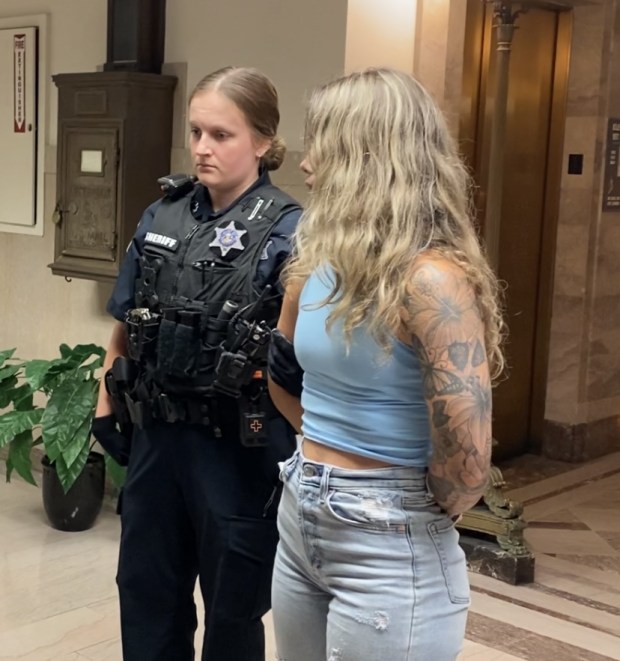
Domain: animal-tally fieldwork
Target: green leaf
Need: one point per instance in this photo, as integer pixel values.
(9, 371)
(46, 374)
(18, 395)
(115, 472)
(81, 352)
(5, 355)
(23, 398)
(19, 457)
(39, 373)
(70, 404)
(69, 474)
(81, 437)
(7, 391)
(14, 423)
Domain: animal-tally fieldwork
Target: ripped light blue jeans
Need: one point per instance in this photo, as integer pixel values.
(368, 568)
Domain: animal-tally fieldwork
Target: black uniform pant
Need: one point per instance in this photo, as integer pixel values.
(197, 506)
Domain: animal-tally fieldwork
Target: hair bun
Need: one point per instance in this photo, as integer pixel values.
(274, 157)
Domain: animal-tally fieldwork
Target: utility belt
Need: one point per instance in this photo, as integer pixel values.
(145, 404)
(147, 407)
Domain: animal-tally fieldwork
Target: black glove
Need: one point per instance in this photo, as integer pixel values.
(116, 443)
(284, 369)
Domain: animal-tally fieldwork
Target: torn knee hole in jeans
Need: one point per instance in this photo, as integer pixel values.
(335, 655)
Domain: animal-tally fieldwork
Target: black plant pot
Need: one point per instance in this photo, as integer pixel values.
(79, 507)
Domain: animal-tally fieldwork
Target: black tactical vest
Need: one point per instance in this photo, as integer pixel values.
(189, 268)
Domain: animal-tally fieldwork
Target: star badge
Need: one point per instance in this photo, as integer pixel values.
(228, 238)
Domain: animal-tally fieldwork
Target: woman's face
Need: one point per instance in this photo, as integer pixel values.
(306, 168)
(225, 151)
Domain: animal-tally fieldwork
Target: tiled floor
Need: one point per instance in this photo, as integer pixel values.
(58, 597)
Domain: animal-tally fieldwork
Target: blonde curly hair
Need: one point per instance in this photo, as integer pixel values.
(388, 185)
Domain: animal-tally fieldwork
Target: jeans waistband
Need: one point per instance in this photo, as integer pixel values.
(395, 477)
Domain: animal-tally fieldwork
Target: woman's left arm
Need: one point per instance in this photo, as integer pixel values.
(448, 333)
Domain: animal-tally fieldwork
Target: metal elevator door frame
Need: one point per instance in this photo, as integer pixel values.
(514, 411)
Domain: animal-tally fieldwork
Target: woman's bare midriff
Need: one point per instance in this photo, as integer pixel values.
(322, 454)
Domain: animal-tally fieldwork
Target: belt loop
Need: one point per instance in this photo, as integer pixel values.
(324, 487)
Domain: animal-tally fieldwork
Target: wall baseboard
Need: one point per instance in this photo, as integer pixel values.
(581, 442)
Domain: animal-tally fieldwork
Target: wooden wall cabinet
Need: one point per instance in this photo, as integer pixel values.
(114, 141)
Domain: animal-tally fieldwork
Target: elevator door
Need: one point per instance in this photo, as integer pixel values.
(529, 203)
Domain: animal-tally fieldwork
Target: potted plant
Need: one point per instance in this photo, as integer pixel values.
(51, 404)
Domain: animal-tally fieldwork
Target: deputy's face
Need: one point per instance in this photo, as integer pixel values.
(306, 168)
(225, 150)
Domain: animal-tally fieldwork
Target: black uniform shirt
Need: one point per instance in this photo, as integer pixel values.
(276, 251)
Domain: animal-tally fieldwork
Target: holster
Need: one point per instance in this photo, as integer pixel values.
(119, 380)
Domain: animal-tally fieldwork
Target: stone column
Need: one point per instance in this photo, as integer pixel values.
(438, 55)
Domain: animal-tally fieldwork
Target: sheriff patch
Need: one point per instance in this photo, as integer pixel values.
(163, 241)
(230, 238)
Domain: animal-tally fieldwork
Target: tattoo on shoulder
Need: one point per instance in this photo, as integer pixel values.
(443, 306)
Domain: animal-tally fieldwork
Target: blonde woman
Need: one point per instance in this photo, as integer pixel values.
(391, 309)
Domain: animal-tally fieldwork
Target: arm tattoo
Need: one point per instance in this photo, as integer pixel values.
(479, 355)
(449, 341)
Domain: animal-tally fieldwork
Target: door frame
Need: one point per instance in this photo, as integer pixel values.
(475, 58)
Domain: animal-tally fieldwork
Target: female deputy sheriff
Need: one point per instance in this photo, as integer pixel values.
(195, 300)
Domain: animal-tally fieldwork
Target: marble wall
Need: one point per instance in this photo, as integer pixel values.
(438, 61)
(583, 392)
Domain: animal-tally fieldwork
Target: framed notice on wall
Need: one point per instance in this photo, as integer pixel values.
(611, 184)
(18, 134)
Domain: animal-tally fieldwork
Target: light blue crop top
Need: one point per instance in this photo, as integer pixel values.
(358, 402)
